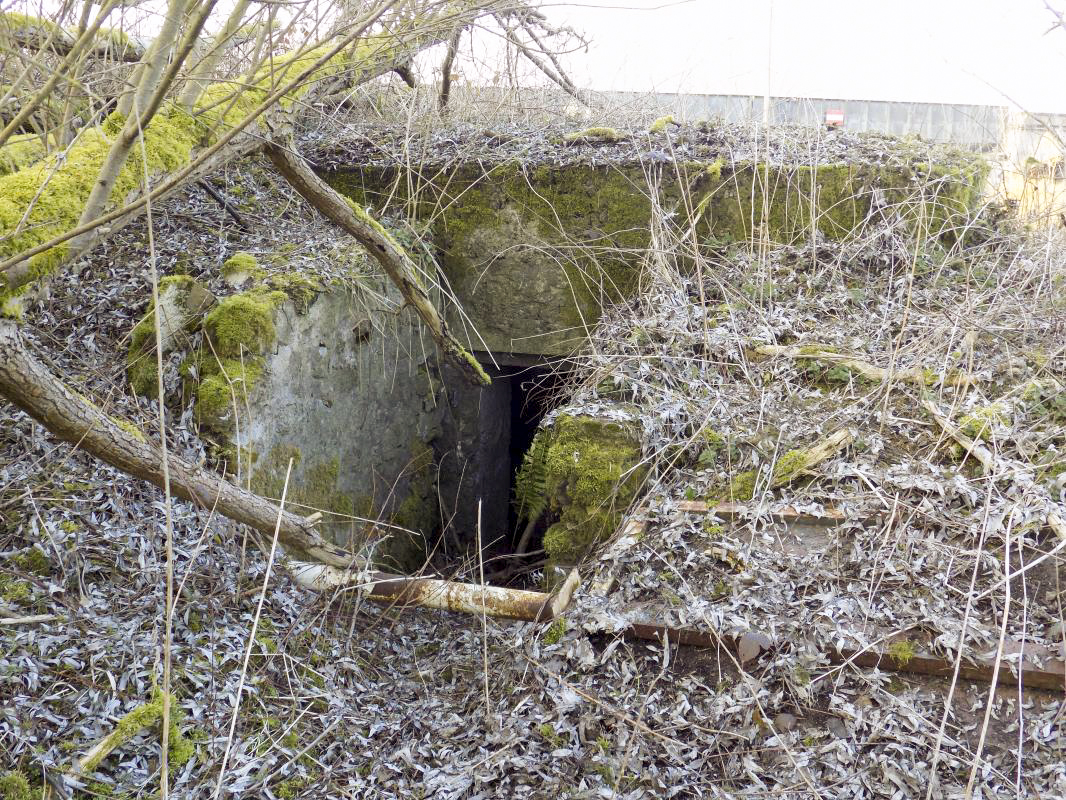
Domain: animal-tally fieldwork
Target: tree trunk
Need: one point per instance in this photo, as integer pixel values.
(30, 386)
(402, 271)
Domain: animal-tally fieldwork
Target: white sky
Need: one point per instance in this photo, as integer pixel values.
(959, 51)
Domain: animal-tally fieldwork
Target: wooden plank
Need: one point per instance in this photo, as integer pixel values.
(829, 517)
(1040, 667)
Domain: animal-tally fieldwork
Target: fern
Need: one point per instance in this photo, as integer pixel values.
(531, 482)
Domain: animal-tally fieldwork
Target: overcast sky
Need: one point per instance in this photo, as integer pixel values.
(960, 51)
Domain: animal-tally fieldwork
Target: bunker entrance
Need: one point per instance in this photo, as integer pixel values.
(508, 415)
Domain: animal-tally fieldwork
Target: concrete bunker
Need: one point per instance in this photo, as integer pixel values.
(392, 445)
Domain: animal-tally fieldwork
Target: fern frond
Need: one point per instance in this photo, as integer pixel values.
(531, 482)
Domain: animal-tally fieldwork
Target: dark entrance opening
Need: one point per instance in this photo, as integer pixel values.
(485, 439)
(522, 394)
(532, 393)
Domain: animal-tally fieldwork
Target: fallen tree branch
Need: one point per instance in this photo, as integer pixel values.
(30, 386)
(401, 270)
(786, 468)
(37, 33)
(214, 194)
(144, 716)
(467, 598)
(30, 620)
(865, 369)
(827, 518)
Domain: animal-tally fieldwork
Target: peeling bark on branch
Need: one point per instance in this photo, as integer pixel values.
(30, 386)
(401, 270)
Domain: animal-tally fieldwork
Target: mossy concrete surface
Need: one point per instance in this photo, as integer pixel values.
(383, 441)
(591, 473)
(534, 253)
(183, 301)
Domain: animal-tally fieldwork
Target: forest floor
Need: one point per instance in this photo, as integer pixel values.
(344, 699)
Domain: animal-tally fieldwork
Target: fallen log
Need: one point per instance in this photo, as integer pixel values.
(37, 33)
(827, 518)
(1037, 667)
(466, 598)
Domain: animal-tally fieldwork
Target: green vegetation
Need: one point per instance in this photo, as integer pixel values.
(590, 472)
(744, 485)
(33, 561)
(661, 124)
(239, 267)
(243, 324)
(982, 422)
(901, 652)
(299, 287)
(15, 786)
(15, 591)
(241, 331)
(20, 151)
(181, 299)
(593, 135)
(56, 192)
(311, 487)
(555, 631)
(148, 715)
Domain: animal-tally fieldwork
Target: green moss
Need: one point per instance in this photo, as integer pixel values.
(547, 732)
(312, 486)
(56, 192)
(901, 652)
(593, 135)
(743, 485)
(174, 292)
(118, 41)
(14, 23)
(661, 124)
(291, 787)
(11, 306)
(239, 267)
(243, 324)
(241, 330)
(475, 365)
(15, 591)
(218, 390)
(21, 151)
(148, 715)
(592, 473)
(555, 631)
(15, 786)
(130, 428)
(33, 560)
(302, 289)
(981, 422)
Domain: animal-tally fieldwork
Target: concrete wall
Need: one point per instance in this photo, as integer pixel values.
(355, 395)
